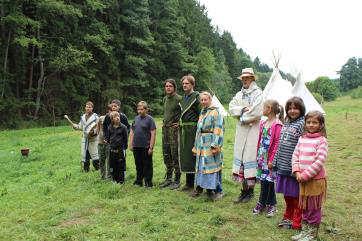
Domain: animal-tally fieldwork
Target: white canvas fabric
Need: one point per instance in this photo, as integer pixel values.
(301, 90)
(278, 88)
(215, 102)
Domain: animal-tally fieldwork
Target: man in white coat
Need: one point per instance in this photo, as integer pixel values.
(89, 143)
(246, 106)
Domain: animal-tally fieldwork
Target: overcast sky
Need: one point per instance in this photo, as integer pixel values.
(315, 37)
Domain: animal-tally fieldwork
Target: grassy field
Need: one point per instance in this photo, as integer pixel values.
(47, 197)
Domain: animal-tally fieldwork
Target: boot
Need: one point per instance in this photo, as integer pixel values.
(176, 183)
(86, 166)
(240, 197)
(96, 164)
(304, 232)
(312, 235)
(197, 192)
(248, 196)
(167, 182)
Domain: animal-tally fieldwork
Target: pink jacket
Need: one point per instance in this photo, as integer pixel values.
(309, 156)
(274, 131)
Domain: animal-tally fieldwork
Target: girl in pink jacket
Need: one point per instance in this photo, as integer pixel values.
(269, 133)
(308, 163)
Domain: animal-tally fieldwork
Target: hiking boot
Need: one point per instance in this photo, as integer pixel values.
(174, 185)
(248, 196)
(137, 183)
(270, 211)
(258, 208)
(240, 197)
(197, 192)
(217, 196)
(167, 182)
(285, 223)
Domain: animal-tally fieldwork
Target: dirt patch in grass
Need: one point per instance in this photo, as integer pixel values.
(73, 222)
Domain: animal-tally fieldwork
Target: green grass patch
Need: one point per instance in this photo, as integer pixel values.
(46, 196)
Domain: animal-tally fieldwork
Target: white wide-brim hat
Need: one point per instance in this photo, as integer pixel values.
(246, 73)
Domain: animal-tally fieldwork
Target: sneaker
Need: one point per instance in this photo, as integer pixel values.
(305, 230)
(174, 185)
(165, 183)
(137, 183)
(258, 208)
(217, 196)
(285, 223)
(271, 210)
(196, 193)
(308, 237)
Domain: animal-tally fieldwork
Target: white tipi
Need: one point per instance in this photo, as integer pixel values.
(299, 89)
(277, 88)
(215, 102)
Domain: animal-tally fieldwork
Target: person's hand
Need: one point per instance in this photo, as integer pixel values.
(270, 166)
(245, 109)
(74, 126)
(193, 151)
(215, 150)
(150, 151)
(298, 176)
(130, 147)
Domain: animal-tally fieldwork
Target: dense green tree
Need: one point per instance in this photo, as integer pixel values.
(351, 74)
(325, 87)
(55, 55)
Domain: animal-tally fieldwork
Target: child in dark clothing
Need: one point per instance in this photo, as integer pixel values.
(142, 141)
(117, 138)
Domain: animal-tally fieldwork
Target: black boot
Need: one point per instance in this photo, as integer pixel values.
(176, 183)
(167, 182)
(86, 166)
(248, 196)
(240, 197)
(96, 164)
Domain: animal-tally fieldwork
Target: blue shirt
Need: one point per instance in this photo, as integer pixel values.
(142, 127)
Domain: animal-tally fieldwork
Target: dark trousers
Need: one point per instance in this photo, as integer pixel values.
(267, 193)
(86, 164)
(190, 179)
(144, 166)
(117, 165)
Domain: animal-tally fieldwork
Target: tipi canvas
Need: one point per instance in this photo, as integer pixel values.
(277, 88)
(299, 89)
(215, 102)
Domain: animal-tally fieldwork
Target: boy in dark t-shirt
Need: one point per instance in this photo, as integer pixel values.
(117, 138)
(142, 141)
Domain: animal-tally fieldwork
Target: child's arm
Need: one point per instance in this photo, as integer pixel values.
(295, 159)
(152, 141)
(125, 138)
(274, 147)
(130, 145)
(318, 164)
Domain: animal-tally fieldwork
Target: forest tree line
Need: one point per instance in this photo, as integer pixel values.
(55, 55)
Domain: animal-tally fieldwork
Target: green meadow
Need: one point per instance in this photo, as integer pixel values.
(45, 196)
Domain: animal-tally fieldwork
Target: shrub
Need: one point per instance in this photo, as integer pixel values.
(356, 93)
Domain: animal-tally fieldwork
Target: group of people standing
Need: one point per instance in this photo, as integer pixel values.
(285, 155)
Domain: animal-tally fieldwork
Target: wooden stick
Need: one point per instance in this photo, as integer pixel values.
(69, 120)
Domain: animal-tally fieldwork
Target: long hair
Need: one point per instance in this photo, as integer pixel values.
(298, 102)
(276, 108)
(320, 117)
